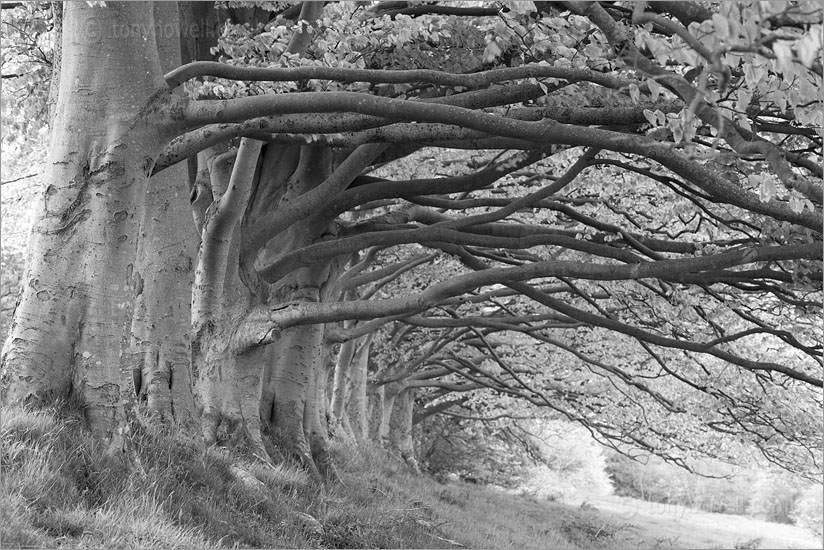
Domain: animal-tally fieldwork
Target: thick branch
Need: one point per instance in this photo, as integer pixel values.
(549, 132)
(189, 144)
(426, 412)
(219, 247)
(263, 324)
(379, 76)
(309, 255)
(303, 206)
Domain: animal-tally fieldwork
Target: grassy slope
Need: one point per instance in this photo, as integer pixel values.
(59, 489)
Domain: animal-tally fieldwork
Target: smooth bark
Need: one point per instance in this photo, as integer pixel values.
(73, 323)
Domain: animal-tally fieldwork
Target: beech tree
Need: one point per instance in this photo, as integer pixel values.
(645, 180)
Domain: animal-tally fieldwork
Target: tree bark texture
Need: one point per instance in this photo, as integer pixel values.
(72, 325)
(356, 404)
(400, 428)
(228, 384)
(167, 244)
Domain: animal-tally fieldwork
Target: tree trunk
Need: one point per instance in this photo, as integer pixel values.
(356, 406)
(341, 384)
(160, 350)
(228, 384)
(72, 325)
(297, 355)
(384, 416)
(294, 396)
(400, 428)
(315, 420)
(294, 383)
(375, 397)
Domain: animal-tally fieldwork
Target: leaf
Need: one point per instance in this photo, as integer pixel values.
(796, 204)
(654, 89)
(767, 190)
(634, 92)
(722, 26)
(677, 128)
(783, 54)
(650, 116)
(744, 97)
(751, 26)
(808, 48)
(492, 51)
(754, 74)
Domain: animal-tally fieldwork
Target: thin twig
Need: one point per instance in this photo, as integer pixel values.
(18, 179)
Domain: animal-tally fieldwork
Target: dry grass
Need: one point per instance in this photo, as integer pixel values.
(60, 489)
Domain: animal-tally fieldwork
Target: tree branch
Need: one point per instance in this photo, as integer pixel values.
(482, 79)
(549, 132)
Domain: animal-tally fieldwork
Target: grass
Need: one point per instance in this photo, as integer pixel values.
(60, 489)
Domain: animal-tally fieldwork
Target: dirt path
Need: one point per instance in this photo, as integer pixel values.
(682, 527)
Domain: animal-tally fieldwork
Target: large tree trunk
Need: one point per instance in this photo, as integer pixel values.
(384, 402)
(294, 384)
(160, 350)
(349, 402)
(165, 258)
(228, 384)
(73, 323)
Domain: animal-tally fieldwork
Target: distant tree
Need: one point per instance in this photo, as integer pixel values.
(809, 508)
(773, 497)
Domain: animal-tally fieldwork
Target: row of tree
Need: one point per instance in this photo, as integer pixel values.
(277, 222)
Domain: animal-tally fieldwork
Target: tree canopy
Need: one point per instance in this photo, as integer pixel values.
(610, 210)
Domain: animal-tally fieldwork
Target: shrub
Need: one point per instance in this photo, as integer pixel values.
(657, 481)
(809, 509)
(573, 465)
(773, 497)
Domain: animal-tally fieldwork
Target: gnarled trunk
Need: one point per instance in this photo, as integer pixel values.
(228, 384)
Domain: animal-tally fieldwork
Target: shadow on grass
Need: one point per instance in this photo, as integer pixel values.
(59, 488)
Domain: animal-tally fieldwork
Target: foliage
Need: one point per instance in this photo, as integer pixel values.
(773, 497)
(499, 452)
(622, 207)
(721, 489)
(809, 509)
(27, 65)
(17, 199)
(573, 468)
(752, 490)
(26, 69)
